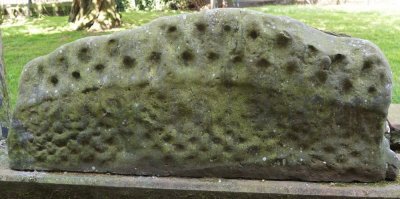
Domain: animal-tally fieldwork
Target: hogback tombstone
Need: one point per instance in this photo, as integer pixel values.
(226, 93)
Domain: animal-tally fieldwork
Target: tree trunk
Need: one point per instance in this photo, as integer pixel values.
(213, 4)
(29, 14)
(227, 3)
(218, 3)
(133, 4)
(94, 14)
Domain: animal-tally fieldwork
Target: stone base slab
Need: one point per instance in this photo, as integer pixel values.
(21, 184)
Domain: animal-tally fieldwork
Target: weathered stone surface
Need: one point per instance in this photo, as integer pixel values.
(223, 93)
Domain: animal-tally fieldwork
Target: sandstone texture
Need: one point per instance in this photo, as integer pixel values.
(226, 93)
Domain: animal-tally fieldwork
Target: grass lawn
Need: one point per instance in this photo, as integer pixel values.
(36, 37)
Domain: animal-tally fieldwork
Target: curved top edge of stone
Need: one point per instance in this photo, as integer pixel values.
(43, 78)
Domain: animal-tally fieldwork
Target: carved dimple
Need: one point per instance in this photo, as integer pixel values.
(237, 59)
(293, 65)
(370, 63)
(76, 75)
(155, 57)
(283, 38)
(254, 34)
(372, 90)
(201, 27)
(263, 63)
(382, 77)
(339, 59)
(54, 80)
(128, 62)
(193, 139)
(253, 149)
(187, 56)
(84, 54)
(312, 50)
(40, 69)
(212, 56)
(62, 61)
(99, 67)
(112, 47)
(112, 41)
(321, 76)
(179, 147)
(347, 85)
(172, 29)
(227, 28)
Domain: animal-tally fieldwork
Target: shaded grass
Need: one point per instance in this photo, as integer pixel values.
(26, 41)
